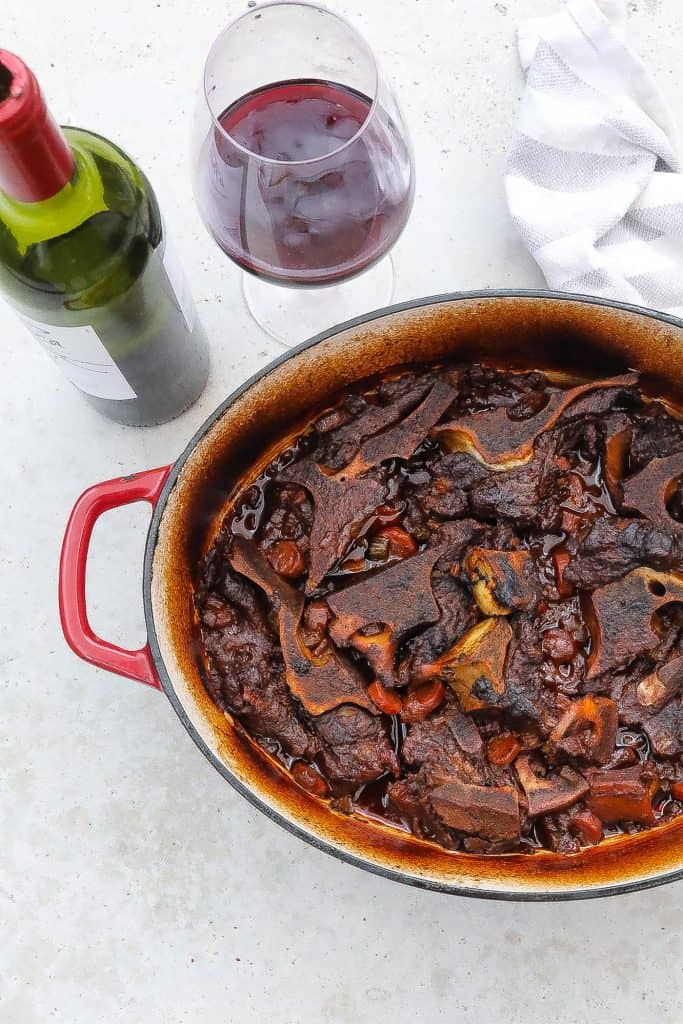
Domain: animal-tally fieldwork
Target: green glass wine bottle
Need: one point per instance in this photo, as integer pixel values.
(86, 264)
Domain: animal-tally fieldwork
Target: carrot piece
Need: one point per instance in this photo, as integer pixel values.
(503, 749)
(386, 700)
(677, 790)
(308, 778)
(286, 558)
(561, 558)
(587, 826)
(623, 794)
(419, 703)
(401, 544)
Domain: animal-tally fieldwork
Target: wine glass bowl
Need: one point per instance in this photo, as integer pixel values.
(303, 170)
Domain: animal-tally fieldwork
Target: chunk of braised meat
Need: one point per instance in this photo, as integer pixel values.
(448, 740)
(320, 681)
(449, 810)
(345, 428)
(344, 501)
(499, 439)
(656, 435)
(622, 686)
(354, 747)
(553, 830)
(624, 794)
(401, 440)
(567, 831)
(527, 697)
(616, 394)
(288, 516)
(246, 669)
(456, 610)
(643, 691)
(665, 730)
(398, 597)
(489, 812)
(408, 386)
(341, 508)
(621, 617)
(487, 387)
(550, 791)
(615, 545)
(651, 490)
(408, 799)
(376, 613)
(534, 492)
(446, 491)
(587, 731)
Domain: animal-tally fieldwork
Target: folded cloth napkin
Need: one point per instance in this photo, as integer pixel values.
(594, 181)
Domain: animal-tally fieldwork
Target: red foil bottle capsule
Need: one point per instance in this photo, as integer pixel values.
(36, 161)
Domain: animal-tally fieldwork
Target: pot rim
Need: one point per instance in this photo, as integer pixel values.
(396, 875)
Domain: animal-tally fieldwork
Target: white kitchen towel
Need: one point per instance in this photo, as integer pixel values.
(594, 180)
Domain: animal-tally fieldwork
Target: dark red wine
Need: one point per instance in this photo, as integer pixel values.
(307, 183)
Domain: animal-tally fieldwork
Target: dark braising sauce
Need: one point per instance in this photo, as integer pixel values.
(454, 604)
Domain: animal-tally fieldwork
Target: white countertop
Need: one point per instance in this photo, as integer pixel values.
(135, 885)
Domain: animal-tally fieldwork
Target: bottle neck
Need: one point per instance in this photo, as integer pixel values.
(36, 161)
(81, 198)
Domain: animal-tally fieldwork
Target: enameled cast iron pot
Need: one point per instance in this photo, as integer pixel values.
(538, 329)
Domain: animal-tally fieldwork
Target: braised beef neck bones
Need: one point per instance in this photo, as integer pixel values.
(456, 602)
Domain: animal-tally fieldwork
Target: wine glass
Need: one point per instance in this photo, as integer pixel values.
(303, 169)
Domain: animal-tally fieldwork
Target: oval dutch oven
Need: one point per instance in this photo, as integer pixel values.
(523, 328)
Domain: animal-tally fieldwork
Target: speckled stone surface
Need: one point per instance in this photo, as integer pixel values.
(135, 885)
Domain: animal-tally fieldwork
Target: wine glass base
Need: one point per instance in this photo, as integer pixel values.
(291, 315)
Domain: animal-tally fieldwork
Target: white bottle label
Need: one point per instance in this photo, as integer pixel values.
(82, 358)
(178, 282)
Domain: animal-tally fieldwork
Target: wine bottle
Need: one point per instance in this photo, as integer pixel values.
(86, 263)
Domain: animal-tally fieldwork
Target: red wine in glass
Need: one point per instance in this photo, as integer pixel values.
(305, 182)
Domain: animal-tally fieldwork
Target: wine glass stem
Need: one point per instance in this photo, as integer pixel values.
(291, 315)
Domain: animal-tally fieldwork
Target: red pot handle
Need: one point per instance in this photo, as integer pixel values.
(90, 506)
